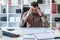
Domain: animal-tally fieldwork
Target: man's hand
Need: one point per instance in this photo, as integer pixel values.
(39, 12)
(30, 11)
(42, 17)
(25, 17)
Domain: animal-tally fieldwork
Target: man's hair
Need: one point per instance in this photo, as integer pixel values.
(34, 4)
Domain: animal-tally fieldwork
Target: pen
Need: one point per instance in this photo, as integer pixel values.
(57, 38)
(53, 28)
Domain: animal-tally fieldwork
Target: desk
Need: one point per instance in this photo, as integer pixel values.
(27, 30)
(8, 38)
(18, 32)
(19, 38)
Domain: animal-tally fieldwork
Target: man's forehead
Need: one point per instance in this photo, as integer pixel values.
(33, 7)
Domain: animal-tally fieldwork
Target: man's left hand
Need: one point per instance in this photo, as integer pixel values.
(39, 11)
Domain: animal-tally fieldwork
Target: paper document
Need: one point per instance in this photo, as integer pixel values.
(44, 36)
(57, 33)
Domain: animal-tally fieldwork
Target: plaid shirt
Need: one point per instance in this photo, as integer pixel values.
(34, 21)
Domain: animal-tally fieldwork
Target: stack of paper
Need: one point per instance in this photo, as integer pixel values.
(17, 19)
(44, 36)
(47, 11)
(12, 19)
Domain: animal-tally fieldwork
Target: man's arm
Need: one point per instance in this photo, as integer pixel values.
(44, 20)
(24, 19)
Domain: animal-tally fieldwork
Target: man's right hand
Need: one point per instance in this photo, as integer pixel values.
(30, 11)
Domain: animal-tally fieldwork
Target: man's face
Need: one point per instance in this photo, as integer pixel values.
(34, 9)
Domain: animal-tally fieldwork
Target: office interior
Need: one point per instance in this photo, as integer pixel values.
(11, 12)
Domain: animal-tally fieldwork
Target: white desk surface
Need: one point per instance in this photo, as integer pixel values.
(8, 38)
(19, 38)
(18, 32)
(27, 30)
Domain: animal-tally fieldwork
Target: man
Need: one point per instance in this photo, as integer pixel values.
(34, 17)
